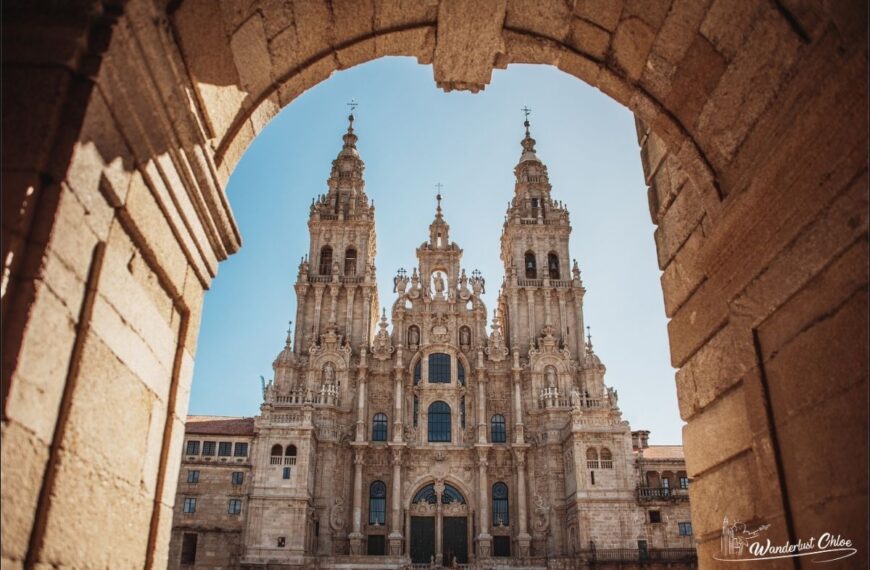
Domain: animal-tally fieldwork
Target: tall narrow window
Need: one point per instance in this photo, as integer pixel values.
(290, 451)
(285, 474)
(460, 372)
(225, 448)
(277, 450)
(553, 265)
(377, 503)
(241, 449)
(189, 505)
(325, 260)
(439, 422)
(193, 477)
(208, 448)
(416, 410)
(500, 506)
(234, 507)
(462, 412)
(350, 261)
(379, 427)
(417, 373)
(531, 266)
(238, 477)
(188, 548)
(193, 449)
(497, 428)
(439, 368)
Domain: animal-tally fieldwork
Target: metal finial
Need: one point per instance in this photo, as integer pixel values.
(352, 105)
(589, 336)
(438, 196)
(526, 111)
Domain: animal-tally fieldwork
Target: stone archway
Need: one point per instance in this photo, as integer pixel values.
(128, 119)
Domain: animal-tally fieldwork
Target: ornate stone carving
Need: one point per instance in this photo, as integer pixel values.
(496, 351)
(541, 522)
(383, 348)
(336, 515)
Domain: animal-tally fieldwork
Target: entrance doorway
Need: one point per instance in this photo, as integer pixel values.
(455, 541)
(422, 539)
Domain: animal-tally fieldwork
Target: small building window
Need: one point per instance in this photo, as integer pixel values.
(606, 458)
(439, 368)
(277, 450)
(350, 261)
(379, 427)
(189, 505)
(498, 429)
(592, 477)
(325, 267)
(208, 448)
(684, 482)
(192, 477)
(378, 503)
(531, 266)
(290, 451)
(234, 507)
(416, 410)
(238, 477)
(685, 528)
(666, 483)
(417, 373)
(282, 541)
(460, 372)
(193, 449)
(439, 422)
(553, 265)
(286, 473)
(500, 506)
(591, 458)
(188, 548)
(655, 516)
(225, 449)
(241, 449)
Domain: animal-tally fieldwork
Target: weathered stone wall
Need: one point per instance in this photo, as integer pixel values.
(129, 121)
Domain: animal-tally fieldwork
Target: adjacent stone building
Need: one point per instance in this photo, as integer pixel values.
(420, 436)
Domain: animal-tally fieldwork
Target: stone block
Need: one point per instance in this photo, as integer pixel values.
(728, 24)
(652, 13)
(678, 222)
(589, 39)
(695, 77)
(724, 422)
(400, 13)
(352, 19)
(416, 42)
(713, 496)
(469, 40)
(24, 457)
(714, 369)
(602, 13)
(251, 55)
(548, 18)
(630, 47)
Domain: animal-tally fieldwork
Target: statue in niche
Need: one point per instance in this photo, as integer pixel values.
(464, 336)
(550, 377)
(439, 285)
(328, 376)
(413, 336)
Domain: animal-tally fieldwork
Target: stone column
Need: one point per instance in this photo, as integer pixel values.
(299, 333)
(395, 537)
(548, 317)
(578, 303)
(481, 398)
(398, 429)
(318, 304)
(516, 371)
(367, 311)
(513, 320)
(439, 523)
(361, 398)
(334, 288)
(356, 536)
(523, 538)
(484, 539)
(351, 293)
(530, 300)
(563, 318)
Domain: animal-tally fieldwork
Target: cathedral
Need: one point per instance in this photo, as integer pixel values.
(422, 433)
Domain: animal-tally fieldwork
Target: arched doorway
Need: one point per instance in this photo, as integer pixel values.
(753, 130)
(439, 525)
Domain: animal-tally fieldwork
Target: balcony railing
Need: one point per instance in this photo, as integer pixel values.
(661, 493)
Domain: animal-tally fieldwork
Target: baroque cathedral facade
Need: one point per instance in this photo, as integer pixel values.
(416, 433)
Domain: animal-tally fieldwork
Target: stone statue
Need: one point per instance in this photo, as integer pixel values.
(413, 336)
(328, 373)
(550, 376)
(439, 284)
(464, 336)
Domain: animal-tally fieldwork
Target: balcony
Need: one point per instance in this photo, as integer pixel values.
(651, 494)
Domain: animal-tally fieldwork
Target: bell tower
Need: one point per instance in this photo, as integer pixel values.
(542, 293)
(336, 287)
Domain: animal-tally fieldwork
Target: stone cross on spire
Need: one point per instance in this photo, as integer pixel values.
(438, 198)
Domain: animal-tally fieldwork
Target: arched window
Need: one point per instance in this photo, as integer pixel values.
(460, 372)
(531, 266)
(325, 260)
(439, 422)
(591, 458)
(290, 451)
(500, 505)
(451, 495)
(350, 261)
(497, 429)
(378, 503)
(379, 427)
(277, 449)
(606, 458)
(426, 495)
(553, 265)
(417, 373)
(439, 368)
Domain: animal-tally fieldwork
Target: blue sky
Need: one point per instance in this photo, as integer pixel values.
(412, 136)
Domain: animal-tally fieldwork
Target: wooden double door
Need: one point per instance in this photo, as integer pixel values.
(454, 539)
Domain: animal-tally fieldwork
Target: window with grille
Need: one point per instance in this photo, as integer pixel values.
(498, 429)
(379, 427)
(193, 449)
(460, 372)
(378, 503)
(684, 482)
(439, 422)
(238, 477)
(241, 449)
(234, 507)
(189, 505)
(439, 368)
(325, 261)
(500, 505)
(417, 373)
(225, 448)
(208, 448)
(193, 477)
